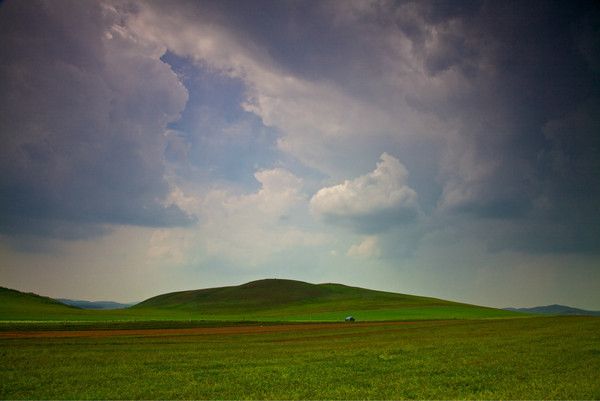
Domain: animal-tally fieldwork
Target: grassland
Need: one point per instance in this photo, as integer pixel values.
(255, 341)
(258, 301)
(530, 358)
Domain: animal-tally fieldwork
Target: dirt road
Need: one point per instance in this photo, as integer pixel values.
(192, 331)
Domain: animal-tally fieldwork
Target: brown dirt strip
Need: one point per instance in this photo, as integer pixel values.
(193, 331)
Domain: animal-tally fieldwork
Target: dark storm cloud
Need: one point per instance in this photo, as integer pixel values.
(295, 33)
(526, 149)
(548, 157)
(519, 66)
(82, 116)
(552, 92)
(513, 88)
(532, 107)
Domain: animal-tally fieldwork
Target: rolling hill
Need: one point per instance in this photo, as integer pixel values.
(16, 305)
(290, 300)
(78, 303)
(556, 310)
(270, 300)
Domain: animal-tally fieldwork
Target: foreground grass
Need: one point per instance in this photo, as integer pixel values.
(531, 358)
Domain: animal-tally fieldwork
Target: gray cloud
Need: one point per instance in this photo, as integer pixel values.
(473, 84)
(371, 203)
(83, 111)
(486, 103)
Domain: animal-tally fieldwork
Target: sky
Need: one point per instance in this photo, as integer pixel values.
(440, 148)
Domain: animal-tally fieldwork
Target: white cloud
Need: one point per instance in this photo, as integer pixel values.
(246, 229)
(249, 228)
(169, 246)
(367, 248)
(382, 193)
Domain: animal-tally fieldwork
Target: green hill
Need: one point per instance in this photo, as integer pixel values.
(271, 300)
(275, 299)
(16, 305)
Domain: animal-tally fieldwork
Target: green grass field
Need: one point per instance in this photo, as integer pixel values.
(263, 301)
(530, 358)
(255, 341)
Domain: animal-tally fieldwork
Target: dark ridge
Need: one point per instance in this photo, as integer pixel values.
(104, 305)
(555, 310)
(8, 294)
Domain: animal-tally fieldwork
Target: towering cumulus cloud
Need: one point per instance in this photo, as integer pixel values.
(371, 202)
(83, 109)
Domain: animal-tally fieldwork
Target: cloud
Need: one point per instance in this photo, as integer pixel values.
(84, 108)
(317, 121)
(215, 139)
(156, 114)
(367, 248)
(247, 229)
(451, 90)
(450, 82)
(372, 202)
(432, 76)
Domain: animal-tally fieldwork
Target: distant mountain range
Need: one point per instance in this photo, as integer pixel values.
(94, 304)
(555, 310)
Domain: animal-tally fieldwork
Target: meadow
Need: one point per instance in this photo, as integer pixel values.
(527, 358)
(284, 339)
(258, 301)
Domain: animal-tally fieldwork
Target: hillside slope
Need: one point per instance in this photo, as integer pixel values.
(16, 305)
(556, 310)
(275, 299)
(263, 300)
